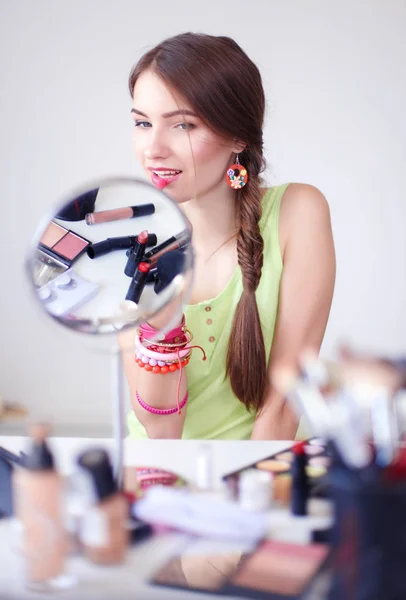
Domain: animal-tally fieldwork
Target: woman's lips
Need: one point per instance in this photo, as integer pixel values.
(161, 182)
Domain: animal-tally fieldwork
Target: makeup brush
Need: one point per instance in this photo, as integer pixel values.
(305, 398)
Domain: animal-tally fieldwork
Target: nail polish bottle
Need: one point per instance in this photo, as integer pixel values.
(103, 531)
(38, 505)
(300, 480)
(204, 467)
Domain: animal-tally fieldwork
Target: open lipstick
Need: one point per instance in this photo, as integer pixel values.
(161, 177)
(116, 214)
(136, 254)
(138, 282)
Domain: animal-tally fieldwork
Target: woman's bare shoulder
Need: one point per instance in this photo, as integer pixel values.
(300, 197)
(302, 206)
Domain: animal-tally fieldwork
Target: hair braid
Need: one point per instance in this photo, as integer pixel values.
(246, 360)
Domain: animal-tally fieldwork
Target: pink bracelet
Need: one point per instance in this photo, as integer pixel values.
(167, 356)
(162, 411)
(175, 334)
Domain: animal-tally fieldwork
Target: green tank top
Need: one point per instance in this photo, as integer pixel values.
(213, 411)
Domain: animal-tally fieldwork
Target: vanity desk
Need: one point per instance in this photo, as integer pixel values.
(128, 580)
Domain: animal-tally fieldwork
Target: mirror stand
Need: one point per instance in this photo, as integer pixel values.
(117, 394)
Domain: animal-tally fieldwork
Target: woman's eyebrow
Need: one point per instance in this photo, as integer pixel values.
(138, 112)
(167, 115)
(175, 113)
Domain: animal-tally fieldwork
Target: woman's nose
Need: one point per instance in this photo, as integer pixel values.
(156, 146)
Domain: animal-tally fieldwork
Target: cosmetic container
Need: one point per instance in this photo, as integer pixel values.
(38, 506)
(300, 481)
(255, 490)
(103, 530)
(204, 467)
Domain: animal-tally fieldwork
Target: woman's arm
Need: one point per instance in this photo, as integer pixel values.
(305, 297)
(157, 390)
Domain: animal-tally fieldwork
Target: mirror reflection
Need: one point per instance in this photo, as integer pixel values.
(111, 257)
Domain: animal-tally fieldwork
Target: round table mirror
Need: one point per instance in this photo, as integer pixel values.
(111, 256)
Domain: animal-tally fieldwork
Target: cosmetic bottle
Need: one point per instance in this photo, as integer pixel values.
(38, 505)
(204, 467)
(104, 530)
(255, 490)
(300, 481)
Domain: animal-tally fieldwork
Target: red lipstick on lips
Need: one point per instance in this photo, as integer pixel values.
(161, 182)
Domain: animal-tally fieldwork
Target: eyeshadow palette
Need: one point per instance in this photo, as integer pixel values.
(272, 570)
(62, 244)
(279, 464)
(277, 570)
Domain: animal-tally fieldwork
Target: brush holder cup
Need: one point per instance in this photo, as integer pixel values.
(369, 535)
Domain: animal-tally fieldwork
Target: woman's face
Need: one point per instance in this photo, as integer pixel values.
(173, 145)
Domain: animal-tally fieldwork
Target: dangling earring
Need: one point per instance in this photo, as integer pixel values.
(236, 175)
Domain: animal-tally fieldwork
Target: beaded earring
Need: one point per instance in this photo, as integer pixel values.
(237, 175)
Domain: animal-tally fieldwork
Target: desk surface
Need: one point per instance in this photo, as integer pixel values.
(127, 580)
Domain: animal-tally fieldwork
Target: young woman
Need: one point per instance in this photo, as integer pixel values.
(265, 262)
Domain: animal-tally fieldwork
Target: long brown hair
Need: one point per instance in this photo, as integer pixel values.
(224, 87)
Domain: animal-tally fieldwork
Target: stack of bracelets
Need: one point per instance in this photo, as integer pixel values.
(170, 354)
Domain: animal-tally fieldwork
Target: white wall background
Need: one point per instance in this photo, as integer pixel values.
(335, 77)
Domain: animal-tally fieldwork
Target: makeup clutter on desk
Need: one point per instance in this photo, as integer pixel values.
(86, 515)
(323, 518)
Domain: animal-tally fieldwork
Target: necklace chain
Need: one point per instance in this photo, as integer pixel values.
(206, 260)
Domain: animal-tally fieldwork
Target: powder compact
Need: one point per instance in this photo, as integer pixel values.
(62, 244)
(57, 250)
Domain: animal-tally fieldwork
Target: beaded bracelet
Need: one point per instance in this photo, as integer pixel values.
(162, 411)
(170, 368)
(158, 363)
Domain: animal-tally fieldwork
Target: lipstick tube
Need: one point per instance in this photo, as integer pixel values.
(117, 214)
(136, 254)
(117, 243)
(176, 242)
(138, 283)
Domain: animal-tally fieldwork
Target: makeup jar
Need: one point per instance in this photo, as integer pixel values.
(255, 490)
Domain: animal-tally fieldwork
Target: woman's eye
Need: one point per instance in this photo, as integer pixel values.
(185, 126)
(142, 124)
